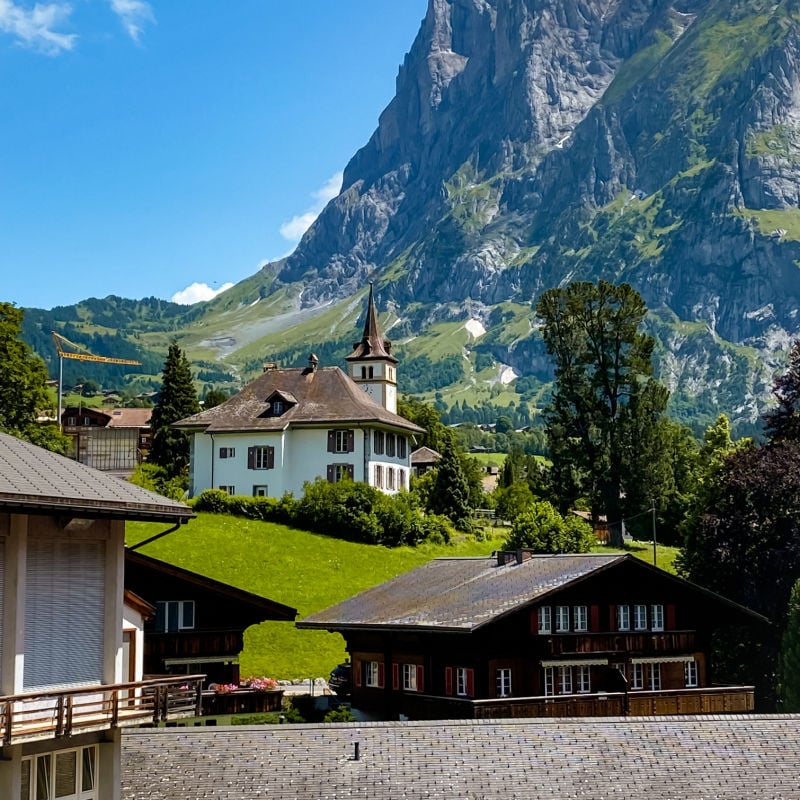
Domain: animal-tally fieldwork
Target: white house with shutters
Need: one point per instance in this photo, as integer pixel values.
(289, 426)
(70, 660)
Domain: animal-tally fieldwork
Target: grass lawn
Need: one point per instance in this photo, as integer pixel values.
(306, 571)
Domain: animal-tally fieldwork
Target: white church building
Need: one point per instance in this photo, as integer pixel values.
(289, 426)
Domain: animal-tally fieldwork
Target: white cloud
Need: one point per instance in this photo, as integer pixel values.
(294, 229)
(133, 14)
(197, 292)
(34, 27)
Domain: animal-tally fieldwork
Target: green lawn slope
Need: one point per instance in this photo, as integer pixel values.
(304, 570)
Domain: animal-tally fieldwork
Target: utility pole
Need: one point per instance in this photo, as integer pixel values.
(653, 509)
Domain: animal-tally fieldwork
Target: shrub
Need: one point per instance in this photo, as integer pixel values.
(341, 714)
(157, 479)
(543, 530)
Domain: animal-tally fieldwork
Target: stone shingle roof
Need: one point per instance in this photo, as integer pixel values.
(457, 593)
(324, 396)
(655, 758)
(372, 344)
(34, 480)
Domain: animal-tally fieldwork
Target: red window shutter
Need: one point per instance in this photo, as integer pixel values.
(594, 618)
(270, 458)
(330, 473)
(448, 680)
(380, 675)
(251, 458)
(357, 672)
(612, 618)
(331, 441)
(671, 624)
(471, 683)
(420, 678)
(351, 471)
(351, 441)
(535, 622)
(395, 676)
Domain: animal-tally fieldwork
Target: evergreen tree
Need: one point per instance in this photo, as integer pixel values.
(789, 666)
(450, 494)
(177, 400)
(783, 422)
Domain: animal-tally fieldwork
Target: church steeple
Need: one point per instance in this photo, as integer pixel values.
(371, 364)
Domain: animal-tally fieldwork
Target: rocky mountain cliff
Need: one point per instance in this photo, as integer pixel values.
(533, 142)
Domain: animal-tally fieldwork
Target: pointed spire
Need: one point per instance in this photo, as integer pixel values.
(372, 344)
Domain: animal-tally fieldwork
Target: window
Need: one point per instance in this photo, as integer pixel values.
(637, 676)
(373, 675)
(503, 682)
(640, 617)
(72, 420)
(580, 618)
(410, 677)
(545, 623)
(261, 491)
(228, 489)
(562, 619)
(278, 407)
(370, 372)
(340, 472)
(655, 677)
(584, 680)
(174, 615)
(262, 457)
(378, 476)
(657, 617)
(565, 680)
(390, 444)
(401, 446)
(363, 373)
(390, 478)
(401, 479)
(378, 439)
(341, 441)
(623, 618)
(549, 681)
(227, 452)
(464, 681)
(63, 775)
(690, 674)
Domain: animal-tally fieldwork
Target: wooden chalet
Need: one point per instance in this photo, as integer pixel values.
(522, 635)
(199, 623)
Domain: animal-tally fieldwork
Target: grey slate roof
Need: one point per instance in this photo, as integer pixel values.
(34, 480)
(457, 593)
(324, 396)
(654, 758)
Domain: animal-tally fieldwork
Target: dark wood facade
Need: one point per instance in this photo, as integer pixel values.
(624, 639)
(199, 622)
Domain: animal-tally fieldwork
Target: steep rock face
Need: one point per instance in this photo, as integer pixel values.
(532, 142)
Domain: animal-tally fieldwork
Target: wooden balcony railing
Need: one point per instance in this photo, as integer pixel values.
(645, 642)
(65, 712)
(709, 700)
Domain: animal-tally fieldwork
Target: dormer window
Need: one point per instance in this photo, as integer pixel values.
(278, 407)
(278, 403)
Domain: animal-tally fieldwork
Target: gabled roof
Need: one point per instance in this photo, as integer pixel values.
(463, 594)
(145, 573)
(372, 344)
(129, 417)
(35, 481)
(325, 396)
(425, 455)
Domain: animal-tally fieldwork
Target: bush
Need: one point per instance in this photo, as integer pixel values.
(157, 479)
(341, 714)
(543, 530)
(264, 509)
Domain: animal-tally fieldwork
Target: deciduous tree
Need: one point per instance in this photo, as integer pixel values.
(783, 422)
(789, 668)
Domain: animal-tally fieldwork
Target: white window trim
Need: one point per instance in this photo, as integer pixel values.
(657, 617)
(461, 682)
(545, 619)
(623, 617)
(90, 793)
(583, 679)
(409, 677)
(503, 682)
(562, 619)
(371, 675)
(691, 674)
(640, 617)
(580, 618)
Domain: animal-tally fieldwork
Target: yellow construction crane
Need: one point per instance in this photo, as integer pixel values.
(82, 355)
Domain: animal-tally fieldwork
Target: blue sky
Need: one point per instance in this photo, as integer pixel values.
(149, 146)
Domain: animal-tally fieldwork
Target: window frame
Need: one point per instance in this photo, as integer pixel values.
(378, 442)
(545, 619)
(640, 617)
(549, 685)
(583, 679)
(637, 677)
(565, 679)
(228, 488)
(503, 684)
(84, 768)
(580, 618)
(562, 619)
(341, 440)
(654, 677)
(260, 490)
(227, 452)
(372, 674)
(623, 617)
(657, 617)
(691, 674)
(409, 677)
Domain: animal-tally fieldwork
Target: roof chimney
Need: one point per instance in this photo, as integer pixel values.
(313, 361)
(270, 365)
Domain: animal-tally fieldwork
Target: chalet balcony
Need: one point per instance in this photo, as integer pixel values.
(644, 642)
(193, 643)
(67, 712)
(710, 700)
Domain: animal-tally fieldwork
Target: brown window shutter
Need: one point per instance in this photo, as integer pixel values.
(594, 618)
(351, 471)
(535, 622)
(420, 678)
(395, 676)
(351, 441)
(381, 676)
(671, 624)
(331, 441)
(251, 458)
(448, 680)
(357, 672)
(223, 452)
(612, 618)
(270, 458)
(471, 682)
(330, 473)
